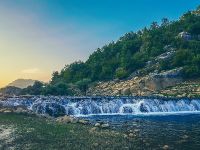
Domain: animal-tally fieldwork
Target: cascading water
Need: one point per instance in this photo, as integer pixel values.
(57, 106)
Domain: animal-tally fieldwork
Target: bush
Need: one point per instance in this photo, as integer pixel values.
(121, 73)
(83, 85)
(191, 71)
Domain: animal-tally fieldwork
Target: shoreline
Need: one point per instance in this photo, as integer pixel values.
(99, 96)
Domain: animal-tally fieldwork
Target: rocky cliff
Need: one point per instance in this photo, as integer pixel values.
(148, 85)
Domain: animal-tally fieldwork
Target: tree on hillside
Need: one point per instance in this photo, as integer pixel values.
(36, 89)
(165, 22)
(132, 52)
(83, 85)
(121, 73)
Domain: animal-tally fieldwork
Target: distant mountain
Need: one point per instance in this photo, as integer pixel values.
(22, 83)
(10, 90)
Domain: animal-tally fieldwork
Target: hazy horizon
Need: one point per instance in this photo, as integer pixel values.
(39, 37)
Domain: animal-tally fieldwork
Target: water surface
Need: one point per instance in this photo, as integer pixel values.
(178, 131)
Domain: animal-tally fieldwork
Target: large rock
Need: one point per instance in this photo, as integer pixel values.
(127, 109)
(126, 91)
(166, 79)
(134, 89)
(82, 121)
(66, 119)
(106, 125)
(143, 108)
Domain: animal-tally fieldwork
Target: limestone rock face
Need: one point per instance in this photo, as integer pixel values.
(160, 81)
(138, 86)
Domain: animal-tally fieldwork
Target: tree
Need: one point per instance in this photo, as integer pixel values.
(121, 73)
(61, 89)
(181, 58)
(58, 89)
(83, 85)
(154, 25)
(165, 22)
(36, 89)
(55, 77)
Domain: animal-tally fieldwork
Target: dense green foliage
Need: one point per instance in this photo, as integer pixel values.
(39, 88)
(132, 51)
(83, 85)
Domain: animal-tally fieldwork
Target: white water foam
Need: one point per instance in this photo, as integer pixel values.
(107, 106)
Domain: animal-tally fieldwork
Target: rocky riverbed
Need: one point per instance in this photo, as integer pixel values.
(99, 123)
(26, 131)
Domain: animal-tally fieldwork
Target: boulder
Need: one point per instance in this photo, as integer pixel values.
(92, 129)
(97, 125)
(81, 121)
(131, 135)
(136, 130)
(126, 91)
(106, 125)
(143, 108)
(127, 109)
(165, 147)
(66, 119)
(6, 110)
(141, 83)
(163, 80)
(134, 89)
(21, 110)
(136, 78)
(185, 137)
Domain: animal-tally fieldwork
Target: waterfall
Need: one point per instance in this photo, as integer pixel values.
(76, 106)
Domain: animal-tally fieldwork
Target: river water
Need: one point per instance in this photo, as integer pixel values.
(158, 131)
(81, 106)
(156, 123)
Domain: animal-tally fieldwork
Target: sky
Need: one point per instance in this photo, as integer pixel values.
(38, 37)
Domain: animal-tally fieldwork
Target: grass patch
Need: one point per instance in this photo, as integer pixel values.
(32, 132)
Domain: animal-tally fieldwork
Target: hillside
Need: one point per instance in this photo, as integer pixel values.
(132, 51)
(146, 54)
(10, 90)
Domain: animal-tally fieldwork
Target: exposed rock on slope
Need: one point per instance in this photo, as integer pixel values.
(189, 89)
(138, 86)
(160, 81)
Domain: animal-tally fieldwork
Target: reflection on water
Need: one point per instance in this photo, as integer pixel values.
(178, 131)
